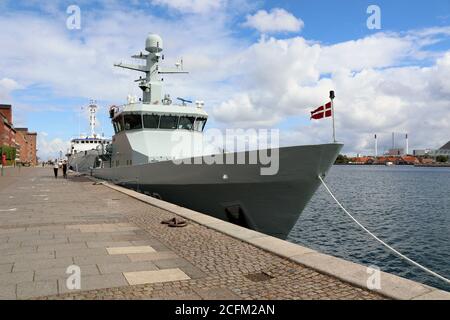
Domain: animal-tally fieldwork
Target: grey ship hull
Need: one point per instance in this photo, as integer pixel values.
(83, 161)
(267, 203)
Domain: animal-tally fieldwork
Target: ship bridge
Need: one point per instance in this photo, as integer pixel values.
(158, 117)
(147, 133)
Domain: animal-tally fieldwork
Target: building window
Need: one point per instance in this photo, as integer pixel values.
(186, 123)
(151, 121)
(168, 122)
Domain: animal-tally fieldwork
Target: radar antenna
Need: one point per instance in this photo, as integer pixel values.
(151, 85)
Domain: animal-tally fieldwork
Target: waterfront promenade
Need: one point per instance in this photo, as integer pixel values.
(124, 252)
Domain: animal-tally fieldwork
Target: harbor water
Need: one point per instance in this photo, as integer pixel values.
(407, 207)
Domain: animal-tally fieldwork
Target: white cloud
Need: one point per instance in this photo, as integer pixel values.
(49, 149)
(285, 77)
(6, 87)
(277, 20)
(191, 6)
(385, 82)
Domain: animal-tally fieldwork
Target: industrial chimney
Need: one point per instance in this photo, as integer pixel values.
(407, 146)
(376, 146)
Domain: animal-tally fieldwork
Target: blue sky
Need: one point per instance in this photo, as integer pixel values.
(48, 72)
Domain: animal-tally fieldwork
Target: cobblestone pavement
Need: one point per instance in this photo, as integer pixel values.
(124, 252)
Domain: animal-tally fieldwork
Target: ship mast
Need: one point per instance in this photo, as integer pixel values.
(92, 119)
(151, 85)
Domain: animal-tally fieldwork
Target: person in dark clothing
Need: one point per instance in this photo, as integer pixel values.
(64, 167)
(55, 168)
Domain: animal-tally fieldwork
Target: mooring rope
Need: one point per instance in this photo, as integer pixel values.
(381, 241)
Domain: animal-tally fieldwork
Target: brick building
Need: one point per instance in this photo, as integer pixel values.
(19, 138)
(7, 131)
(26, 146)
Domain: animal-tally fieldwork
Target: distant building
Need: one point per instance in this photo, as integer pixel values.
(442, 151)
(361, 160)
(19, 138)
(422, 152)
(26, 151)
(395, 152)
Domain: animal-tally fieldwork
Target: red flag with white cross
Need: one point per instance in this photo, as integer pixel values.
(321, 112)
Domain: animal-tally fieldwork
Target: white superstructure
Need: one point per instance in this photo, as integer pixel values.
(154, 128)
(91, 142)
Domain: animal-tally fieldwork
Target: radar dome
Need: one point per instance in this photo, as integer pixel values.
(153, 43)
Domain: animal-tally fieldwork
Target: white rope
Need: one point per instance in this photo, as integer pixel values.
(381, 241)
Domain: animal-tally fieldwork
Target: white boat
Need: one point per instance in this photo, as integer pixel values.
(85, 150)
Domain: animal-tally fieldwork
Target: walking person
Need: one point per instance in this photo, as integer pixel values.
(64, 167)
(55, 169)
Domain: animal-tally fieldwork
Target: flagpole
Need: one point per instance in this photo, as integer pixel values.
(332, 114)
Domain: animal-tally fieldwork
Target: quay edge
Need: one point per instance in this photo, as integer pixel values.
(392, 286)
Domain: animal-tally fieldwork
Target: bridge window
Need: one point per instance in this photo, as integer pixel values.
(168, 122)
(186, 123)
(118, 124)
(199, 124)
(132, 121)
(151, 121)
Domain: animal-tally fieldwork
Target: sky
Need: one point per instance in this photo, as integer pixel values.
(256, 64)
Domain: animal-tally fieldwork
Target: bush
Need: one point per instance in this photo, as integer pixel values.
(9, 151)
(341, 159)
(441, 158)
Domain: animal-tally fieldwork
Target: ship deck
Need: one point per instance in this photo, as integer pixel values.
(116, 237)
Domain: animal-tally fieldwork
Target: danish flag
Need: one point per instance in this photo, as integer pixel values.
(322, 112)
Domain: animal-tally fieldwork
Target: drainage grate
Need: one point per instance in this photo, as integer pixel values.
(258, 277)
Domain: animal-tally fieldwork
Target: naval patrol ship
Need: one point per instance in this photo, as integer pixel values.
(143, 156)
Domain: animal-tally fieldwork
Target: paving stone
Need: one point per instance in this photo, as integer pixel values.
(42, 264)
(96, 282)
(10, 231)
(130, 250)
(18, 250)
(15, 277)
(155, 244)
(62, 247)
(51, 242)
(129, 237)
(217, 294)
(100, 259)
(6, 268)
(28, 290)
(152, 256)
(126, 267)
(105, 244)
(193, 272)
(166, 275)
(172, 263)
(84, 252)
(89, 237)
(27, 257)
(60, 273)
(5, 246)
(7, 292)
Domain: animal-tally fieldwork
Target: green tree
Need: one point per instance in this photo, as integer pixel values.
(442, 159)
(10, 152)
(341, 159)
